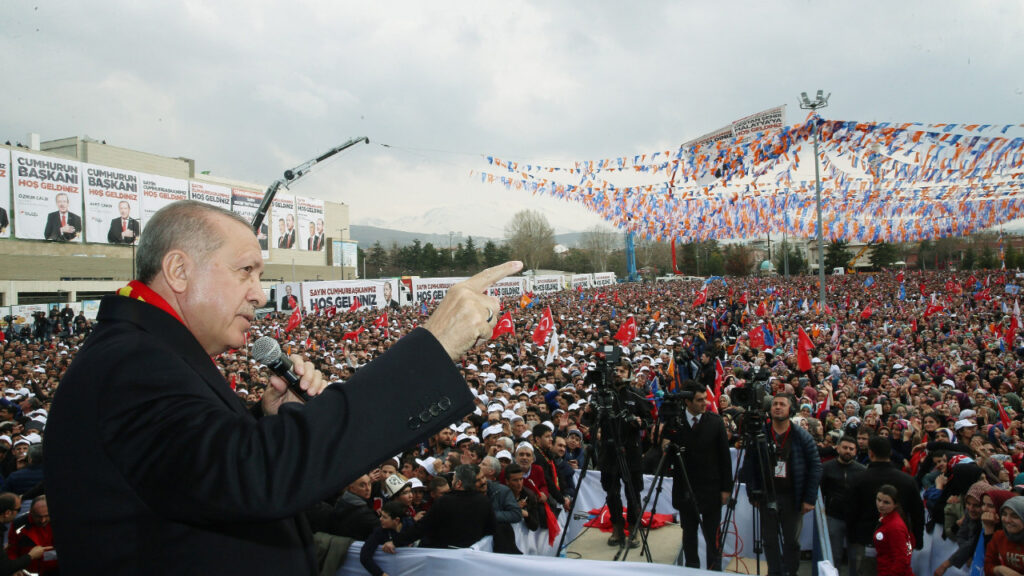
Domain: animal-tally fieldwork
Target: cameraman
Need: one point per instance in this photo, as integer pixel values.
(795, 471)
(708, 465)
(626, 415)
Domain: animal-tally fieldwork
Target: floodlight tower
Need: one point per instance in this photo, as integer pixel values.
(806, 104)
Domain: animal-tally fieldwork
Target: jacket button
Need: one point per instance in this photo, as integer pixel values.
(445, 403)
(435, 410)
(425, 416)
(414, 423)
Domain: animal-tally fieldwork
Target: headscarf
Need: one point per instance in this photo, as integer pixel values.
(1015, 505)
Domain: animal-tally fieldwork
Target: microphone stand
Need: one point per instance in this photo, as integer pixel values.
(293, 175)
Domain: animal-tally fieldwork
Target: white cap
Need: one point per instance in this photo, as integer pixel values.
(33, 438)
(503, 454)
(428, 465)
(963, 424)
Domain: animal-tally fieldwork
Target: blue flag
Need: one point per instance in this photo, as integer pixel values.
(978, 562)
(769, 338)
(869, 282)
(903, 293)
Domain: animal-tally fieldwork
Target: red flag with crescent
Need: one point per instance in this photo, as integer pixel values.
(544, 327)
(504, 326)
(627, 332)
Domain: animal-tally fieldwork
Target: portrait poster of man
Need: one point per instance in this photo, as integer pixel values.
(308, 211)
(288, 296)
(282, 222)
(159, 191)
(112, 207)
(5, 198)
(47, 197)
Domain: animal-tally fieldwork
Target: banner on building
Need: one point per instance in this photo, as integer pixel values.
(246, 203)
(5, 196)
(212, 194)
(159, 191)
(310, 212)
(282, 230)
(47, 198)
(113, 210)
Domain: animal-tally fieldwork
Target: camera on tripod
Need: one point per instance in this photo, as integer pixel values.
(751, 398)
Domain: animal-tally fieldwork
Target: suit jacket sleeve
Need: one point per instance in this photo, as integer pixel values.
(724, 457)
(114, 234)
(52, 230)
(814, 469)
(507, 510)
(192, 457)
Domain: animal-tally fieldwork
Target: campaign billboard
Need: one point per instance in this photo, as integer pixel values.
(159, 191)
(212, 194)
(344, 294)
(5, 194)
(112, 207)
(246, 203)
(545, 284)
(288, 296)
(581, 281)
(47, 198)
(511, 287)
(310, 213)
(432, 289)
(604, 279)
(282, 229)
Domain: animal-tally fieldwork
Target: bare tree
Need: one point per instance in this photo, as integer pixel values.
(598, 242)
(530, 238)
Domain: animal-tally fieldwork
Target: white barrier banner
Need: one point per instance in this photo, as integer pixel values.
(5, 196)
(112, 206)
(545, 284)
(507, 288)
(581, 281)
(159, 191)
(311, 223)
(47, 198)
(432, 289)
(343, 294)
(282, 212)
(604, 279)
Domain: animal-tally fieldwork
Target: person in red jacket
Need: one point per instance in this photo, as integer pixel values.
(893, 542)
(37, 533)
(1004, 555)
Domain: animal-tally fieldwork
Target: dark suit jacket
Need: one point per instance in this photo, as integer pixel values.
(4, 220)
(52, 231)
(861, 513)
(114, 234)
(706, 458)
(289, 241)
(153, 465)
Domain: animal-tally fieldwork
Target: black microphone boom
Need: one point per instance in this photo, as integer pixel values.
(294, 174)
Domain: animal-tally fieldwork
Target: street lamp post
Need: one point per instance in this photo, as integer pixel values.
(819, 102)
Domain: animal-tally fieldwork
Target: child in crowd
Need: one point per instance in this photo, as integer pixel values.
(392, 515)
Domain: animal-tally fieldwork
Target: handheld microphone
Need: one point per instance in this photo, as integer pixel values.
(267, 351)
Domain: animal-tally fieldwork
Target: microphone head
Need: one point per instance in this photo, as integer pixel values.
(266, 350)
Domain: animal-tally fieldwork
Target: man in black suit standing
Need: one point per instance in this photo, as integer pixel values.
(124, 229)
(62, 225)
(148, 446)
(318, 238)
(289, 237)
(705, 451)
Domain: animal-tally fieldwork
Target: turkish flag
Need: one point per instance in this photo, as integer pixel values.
(544, 327)
(355, 305)
(756, 337)
(803, 348)
(714, 395)
(866, 313)
(743, 298)
(330, 312)
(504, 326)
(353, 335)
(627, 332)
(293, 321)
(1011, 333)
(899, 277)
(932, 309)
(985, 294)
(761, 311)
(701, 298)
(1004, 418)
(381, 321)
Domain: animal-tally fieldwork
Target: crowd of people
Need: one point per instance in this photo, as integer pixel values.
(911, 401)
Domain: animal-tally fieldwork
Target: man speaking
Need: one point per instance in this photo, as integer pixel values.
(154, 466)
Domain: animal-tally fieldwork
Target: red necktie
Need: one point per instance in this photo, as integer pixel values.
(63, 220)
(124, 225)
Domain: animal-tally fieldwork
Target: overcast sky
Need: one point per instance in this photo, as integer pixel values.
(250, 88)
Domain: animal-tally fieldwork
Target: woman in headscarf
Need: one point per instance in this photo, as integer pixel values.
(1004, 555)
(966, 537)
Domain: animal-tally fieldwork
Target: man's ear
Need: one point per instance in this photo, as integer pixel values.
(177, 269)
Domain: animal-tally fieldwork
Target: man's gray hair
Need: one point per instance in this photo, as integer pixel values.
(491, 463)
(507, 443)
(465, 475)
(183, 225)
